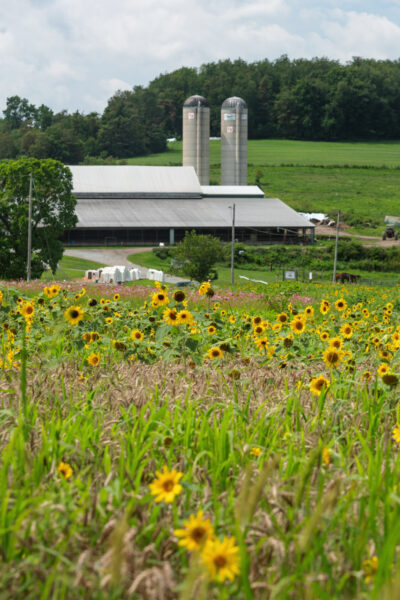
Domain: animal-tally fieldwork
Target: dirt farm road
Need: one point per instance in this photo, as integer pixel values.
(115, 256)
(367, 240)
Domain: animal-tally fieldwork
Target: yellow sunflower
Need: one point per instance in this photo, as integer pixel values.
(346, 330)
(221, 559)
(65, 470)
(396, 434)
(332, 357)
(166, 485)
(282, 318)
(74, 314)
(94, 359)
(184, 316)
(196, 532)
(297, 325)
(318, 384)
(137, 335)
(170, 316)
(160, 298)
(215, 352)
(341, 304)
(27, 309)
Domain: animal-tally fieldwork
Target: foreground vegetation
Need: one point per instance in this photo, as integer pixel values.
(223, 445)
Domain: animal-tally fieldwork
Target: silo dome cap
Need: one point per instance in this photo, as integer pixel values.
(195, 101)
(234, 102)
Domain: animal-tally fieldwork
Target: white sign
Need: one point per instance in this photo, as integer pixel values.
(229, 129)
(229, 117)
(190, 115)
(290, 274)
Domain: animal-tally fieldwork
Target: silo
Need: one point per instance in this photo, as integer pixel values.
(234, 142)
(196, 137)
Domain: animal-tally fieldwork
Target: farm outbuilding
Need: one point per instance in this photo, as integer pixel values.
(151, 205)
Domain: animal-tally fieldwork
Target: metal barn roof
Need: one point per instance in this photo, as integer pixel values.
(211, 212)
(232, 191)
(127, 179)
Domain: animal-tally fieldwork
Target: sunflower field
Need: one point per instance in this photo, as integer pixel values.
(206, 443)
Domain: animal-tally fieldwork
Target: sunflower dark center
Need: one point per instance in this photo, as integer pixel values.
(74, 314)
(168, 485)
(220, 561)
(198, 534)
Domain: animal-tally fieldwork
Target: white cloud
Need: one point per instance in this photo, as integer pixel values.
(74, 54)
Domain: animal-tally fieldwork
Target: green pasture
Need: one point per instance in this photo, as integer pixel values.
(290, 152)
(70, 267)
(362, 180)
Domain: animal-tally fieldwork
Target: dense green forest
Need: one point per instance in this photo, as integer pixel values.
(318, 99)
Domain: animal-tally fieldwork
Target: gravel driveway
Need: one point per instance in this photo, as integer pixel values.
(115, 256)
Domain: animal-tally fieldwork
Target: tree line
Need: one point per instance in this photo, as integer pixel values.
(317, 99)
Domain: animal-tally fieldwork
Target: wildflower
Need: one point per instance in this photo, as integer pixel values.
(211, 329)
(324, 307)
(184, 316)
(215, 352)
(309, 311)
(221, 559)
(297, 325)
(65, 470)
(318, 384)
(204, 288)
(326, 456)
(258, 329)
(370, 568)
(336, 342)
(27, 310)
(261, 343)
(170, 316)
(74, 314)
(341, 304)
(94, 359)
(383, 368)
(159, 299)
(86, 337)
(396, 434)
(282, 318)
(332, 357)
(179, 296)
(324, 336)
(196, 533)
(109, 320)
(366, 375)
(232, 319)
(390, 379)
(116, 297)
(137, 335)
(255, 451)
(160, 286)
(346, 330)
(166, 485)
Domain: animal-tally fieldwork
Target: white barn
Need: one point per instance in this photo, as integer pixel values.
(151, 205)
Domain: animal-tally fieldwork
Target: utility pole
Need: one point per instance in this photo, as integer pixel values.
(336, 248)
(28, 266)
(233, 246)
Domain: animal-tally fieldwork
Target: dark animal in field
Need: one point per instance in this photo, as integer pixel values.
(347, 277)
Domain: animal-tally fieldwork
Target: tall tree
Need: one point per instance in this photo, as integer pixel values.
(53, 211)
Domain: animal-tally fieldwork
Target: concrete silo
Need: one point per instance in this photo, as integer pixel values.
(196, 137)
(234, 142)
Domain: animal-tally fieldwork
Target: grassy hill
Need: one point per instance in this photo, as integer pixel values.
(362, 180)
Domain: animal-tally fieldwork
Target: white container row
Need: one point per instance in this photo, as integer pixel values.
(120, 274)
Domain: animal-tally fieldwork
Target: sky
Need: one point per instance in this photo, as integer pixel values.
(75, 54)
